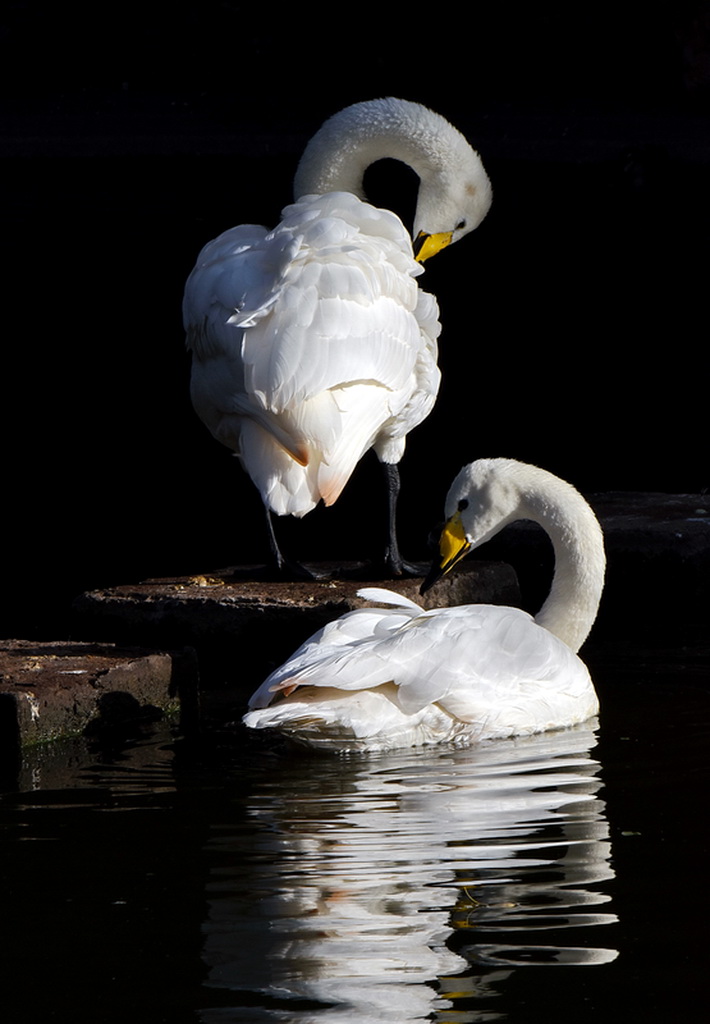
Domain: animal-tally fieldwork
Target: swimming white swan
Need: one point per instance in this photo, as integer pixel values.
(312, 343)
(382, 678)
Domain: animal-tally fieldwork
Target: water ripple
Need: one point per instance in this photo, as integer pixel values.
(367, 884)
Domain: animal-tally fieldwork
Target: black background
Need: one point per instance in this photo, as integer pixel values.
(575, 322)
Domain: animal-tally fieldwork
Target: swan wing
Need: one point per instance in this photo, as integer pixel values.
(491, 667)
(496, 669)
(235, 282)
(344, 632)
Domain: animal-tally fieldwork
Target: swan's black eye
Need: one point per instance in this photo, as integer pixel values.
(461, 225)
(463, 504)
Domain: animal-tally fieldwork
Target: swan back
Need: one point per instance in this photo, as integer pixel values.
(455, 192)
(490, 493)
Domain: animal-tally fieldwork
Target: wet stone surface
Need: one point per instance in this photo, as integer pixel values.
(60, 688)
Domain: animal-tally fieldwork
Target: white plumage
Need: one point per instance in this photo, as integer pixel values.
(313, 343)
(318, 344)
(378, 679)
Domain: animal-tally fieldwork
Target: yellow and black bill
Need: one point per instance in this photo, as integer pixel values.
(453, 546)
(429, 245)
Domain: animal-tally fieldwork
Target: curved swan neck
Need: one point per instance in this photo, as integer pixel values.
(338, 155)
(571, 606)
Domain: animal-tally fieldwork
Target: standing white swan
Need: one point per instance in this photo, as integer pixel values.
(381, 678)
(312, 343)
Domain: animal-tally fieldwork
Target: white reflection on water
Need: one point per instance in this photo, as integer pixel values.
(407, 887)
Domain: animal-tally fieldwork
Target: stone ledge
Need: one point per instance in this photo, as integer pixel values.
(55, 689)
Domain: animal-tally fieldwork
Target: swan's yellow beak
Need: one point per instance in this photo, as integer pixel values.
(453, 545)
(429, 245)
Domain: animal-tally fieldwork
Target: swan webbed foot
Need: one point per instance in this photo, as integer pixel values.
(284, 568)
(381, 569)
(398, 567)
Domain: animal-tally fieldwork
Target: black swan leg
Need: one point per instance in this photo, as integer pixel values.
(394, 563)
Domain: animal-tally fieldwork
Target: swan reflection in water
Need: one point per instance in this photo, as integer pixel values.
(409, 886)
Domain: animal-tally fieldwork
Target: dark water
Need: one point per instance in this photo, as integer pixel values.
(557, 878)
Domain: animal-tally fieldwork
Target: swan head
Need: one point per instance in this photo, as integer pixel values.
(452, 202)
(485, 496)
(455, 192)
(489, 494)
